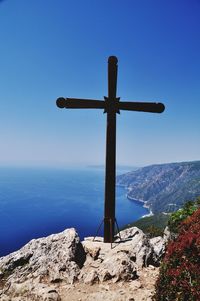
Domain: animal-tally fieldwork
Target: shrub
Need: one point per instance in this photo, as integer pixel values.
(179, 277)
(151, 225)
(180, 215)
(153, 231)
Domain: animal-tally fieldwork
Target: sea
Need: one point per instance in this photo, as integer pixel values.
(36, 202)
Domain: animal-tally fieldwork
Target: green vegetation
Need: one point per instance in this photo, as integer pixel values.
(151, 225)
(154, 225)
(180, 215)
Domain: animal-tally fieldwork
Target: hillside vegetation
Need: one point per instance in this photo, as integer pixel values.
(151, 225)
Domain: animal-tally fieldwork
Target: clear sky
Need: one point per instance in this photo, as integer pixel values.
(58, 48)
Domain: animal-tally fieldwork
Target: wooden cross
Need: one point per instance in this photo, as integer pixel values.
(111, 106)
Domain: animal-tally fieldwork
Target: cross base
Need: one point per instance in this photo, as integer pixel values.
(111, 221)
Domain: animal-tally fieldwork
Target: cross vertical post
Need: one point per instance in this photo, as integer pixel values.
(109, 206)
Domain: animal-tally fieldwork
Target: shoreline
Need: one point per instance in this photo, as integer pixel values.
(144, 203)
(140, 201)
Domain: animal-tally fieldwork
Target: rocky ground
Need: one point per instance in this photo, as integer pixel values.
(138, 290)
(61, 268)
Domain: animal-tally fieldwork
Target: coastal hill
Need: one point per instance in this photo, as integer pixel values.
(163, 187)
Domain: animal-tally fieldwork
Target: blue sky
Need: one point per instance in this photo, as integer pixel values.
(60, 48)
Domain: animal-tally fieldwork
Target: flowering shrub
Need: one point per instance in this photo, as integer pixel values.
(179, 278)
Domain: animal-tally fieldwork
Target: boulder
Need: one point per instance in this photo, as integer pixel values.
(53, 259)
(138, 245)
(158, 245)
(118, 266)
(123, 260)
(166, 234)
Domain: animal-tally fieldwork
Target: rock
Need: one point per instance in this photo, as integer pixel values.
(122, 262)
(159, 245)
(96, 238)
(92, 250)
(91, 277)
(138, 245)
(50, 295)
(117, 267)
(46, 269)
(53, 259)
(166, 234)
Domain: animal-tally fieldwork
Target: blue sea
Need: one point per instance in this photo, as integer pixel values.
(36, 202)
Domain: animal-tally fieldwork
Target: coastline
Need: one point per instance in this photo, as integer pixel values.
(140, 201)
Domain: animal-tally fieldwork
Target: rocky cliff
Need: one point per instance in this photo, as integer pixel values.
(60, 267)
(163, 187)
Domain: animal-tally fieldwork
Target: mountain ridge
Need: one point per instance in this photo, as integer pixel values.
(163, 187)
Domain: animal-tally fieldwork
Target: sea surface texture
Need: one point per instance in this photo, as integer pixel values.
(35, 202)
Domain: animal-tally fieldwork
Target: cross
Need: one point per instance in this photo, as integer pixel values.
(111, 106)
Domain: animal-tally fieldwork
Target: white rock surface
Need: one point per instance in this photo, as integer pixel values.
(49, 268)
(46, 260)
(167, 234)
(158, 245)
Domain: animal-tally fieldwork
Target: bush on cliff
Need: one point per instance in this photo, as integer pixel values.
(151, 225)
(180, 215)
(179, 277)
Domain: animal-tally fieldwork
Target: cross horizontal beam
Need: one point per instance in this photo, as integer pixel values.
(151, 107)
(77, 103)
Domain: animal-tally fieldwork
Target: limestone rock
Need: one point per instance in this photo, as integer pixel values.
(91, 277)
(121, 262)
(139, 246)
(158, 245)
(167, 234)
(118, 266)
(53, 259)
(46, 269)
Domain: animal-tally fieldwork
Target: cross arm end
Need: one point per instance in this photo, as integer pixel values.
(61, 102)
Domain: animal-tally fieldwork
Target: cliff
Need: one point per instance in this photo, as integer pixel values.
(60, 268)
(163, 187)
